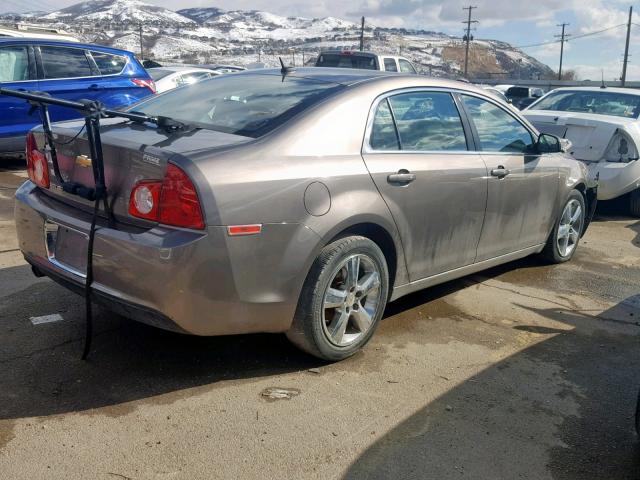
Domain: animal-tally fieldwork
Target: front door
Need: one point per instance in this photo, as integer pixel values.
(420, 157)
(522, 186)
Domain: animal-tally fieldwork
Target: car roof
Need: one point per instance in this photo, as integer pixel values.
(354, 76)
(181, 68)
(629, 91)
(61, 43)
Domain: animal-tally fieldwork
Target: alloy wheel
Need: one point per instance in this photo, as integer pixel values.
(352, 300)
(569, 228)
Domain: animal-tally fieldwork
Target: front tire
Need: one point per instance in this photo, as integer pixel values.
(342, 300)
(634, 202)
(565, 236)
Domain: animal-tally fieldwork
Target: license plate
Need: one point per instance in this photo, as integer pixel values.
(66, 247)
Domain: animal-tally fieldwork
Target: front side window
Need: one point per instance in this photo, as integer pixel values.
(390, 65)
(14, 64)
(497, 130)
(250, 105)
(62, 62)
(428, 121)
(109, 64)
(406, 66)
(599, 103)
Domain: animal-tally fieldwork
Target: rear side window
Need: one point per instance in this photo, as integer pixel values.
(62, 62)
(497, 130)
(427, 121)
(109, 64)
(406, 66)
(390, 65)
(14, 64)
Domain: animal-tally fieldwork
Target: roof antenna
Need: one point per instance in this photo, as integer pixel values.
(284, 70)
(602, 85)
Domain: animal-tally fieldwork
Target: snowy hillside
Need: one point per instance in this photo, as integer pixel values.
(212, 35)
(117, 11)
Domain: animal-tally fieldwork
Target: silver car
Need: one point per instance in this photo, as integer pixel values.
(301, 202)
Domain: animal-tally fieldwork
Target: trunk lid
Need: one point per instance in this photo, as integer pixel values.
(131, 153)
(590, 134)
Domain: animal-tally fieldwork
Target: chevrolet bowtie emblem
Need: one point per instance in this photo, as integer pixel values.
(83, 161)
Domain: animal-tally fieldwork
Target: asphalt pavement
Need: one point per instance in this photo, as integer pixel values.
(525, 371)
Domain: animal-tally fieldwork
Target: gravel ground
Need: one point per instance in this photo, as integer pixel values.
(522, 371)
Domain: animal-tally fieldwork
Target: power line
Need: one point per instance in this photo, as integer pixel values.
(574, 37)
(468, 37)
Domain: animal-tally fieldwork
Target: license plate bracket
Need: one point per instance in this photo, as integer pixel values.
(66, 247)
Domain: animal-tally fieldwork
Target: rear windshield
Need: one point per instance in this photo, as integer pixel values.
(158, 73)
(599, 103)
(247, 105)
(343, 60)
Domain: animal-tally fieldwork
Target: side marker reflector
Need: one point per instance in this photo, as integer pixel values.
(244, 230)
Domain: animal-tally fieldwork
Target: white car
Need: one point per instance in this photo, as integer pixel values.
(168, 78)
(603, 126)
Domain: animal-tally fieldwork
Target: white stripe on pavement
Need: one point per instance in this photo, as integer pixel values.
(56, 317)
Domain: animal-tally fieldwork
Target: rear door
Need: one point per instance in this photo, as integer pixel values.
(17, 72)
(419, 152)
(522, 187)
(67, 72)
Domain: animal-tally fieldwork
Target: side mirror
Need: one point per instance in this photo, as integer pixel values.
(548, 143)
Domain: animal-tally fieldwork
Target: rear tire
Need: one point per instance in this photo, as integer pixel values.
(342, 300)
(565, 236)
(634, 203)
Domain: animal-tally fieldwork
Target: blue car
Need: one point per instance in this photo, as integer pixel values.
(67, 70)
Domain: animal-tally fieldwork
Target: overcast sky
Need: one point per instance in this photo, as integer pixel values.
(520, 23)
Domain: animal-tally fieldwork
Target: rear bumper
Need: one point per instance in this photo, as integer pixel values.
(615, 178)
(202, 283)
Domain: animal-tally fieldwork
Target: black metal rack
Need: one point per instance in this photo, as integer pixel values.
(92, 111)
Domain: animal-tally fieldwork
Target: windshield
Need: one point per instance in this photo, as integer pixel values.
(600, 103)
(344, 60)
(248, 105)
(158, 73)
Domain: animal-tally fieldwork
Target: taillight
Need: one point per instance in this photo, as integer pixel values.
(621, 148)
(146, 83)
(37, 165)
(172, 201)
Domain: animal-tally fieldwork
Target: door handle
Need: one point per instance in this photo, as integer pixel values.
(500, 172)
(94, 86)
(403, 177)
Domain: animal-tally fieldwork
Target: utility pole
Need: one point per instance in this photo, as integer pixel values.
(362, 35)
(562, 40)
(623, 79)
(468, 38)
(141, 47)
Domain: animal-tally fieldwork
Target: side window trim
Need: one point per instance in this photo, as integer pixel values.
(469, 133)
(393, 119)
